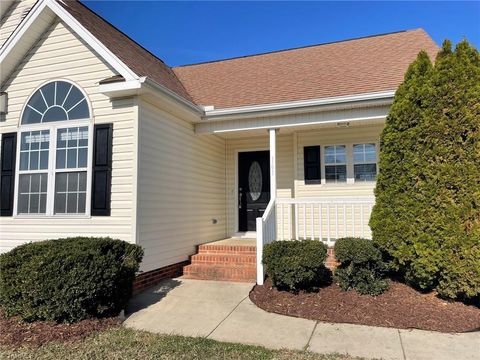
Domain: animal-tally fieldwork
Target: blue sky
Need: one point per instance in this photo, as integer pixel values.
(192, 32)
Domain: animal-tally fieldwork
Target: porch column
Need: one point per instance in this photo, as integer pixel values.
(273, 163)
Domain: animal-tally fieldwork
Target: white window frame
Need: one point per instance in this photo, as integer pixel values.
(53, 127)
(365, 162)
(324, 165)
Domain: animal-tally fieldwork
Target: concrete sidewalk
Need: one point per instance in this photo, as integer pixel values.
(223, 311)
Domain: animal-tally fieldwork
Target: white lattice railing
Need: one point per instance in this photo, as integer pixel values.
(324, 219)
(266, 233)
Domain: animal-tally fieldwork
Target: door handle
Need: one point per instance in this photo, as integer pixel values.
(240, 198)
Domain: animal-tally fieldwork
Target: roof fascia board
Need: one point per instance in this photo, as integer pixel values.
(359, 100)
(80, 30)
(331, 116)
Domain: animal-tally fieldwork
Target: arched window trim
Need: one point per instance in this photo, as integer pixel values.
(85, 95)
(53, 127)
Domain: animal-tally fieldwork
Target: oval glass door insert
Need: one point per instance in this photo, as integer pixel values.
(255, 180)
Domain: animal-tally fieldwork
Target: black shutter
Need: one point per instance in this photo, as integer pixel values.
(311, 163)
(7, 173)
(102, 169)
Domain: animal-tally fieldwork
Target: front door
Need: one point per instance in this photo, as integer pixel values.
(253, 187)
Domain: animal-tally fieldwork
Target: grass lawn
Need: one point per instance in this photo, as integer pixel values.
(120, 343)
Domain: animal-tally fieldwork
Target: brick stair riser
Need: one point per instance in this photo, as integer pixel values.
(219, 273)
(224, 259)
(219, 249)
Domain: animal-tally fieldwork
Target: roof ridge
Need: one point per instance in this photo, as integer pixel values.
(300, 47)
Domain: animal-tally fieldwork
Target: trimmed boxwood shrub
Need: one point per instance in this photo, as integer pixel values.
(296, 265)
(361, 266)
(427, 211)
(68, 280)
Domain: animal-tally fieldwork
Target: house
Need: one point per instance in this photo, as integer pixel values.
(102, 138)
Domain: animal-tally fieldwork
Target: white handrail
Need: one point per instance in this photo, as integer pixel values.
(266, 233)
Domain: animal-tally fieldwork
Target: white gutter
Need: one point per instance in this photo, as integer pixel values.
(385, 95)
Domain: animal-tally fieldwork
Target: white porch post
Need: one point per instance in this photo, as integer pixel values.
(273, 162)
(272, 133)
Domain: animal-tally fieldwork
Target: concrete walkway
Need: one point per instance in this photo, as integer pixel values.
(223, 311)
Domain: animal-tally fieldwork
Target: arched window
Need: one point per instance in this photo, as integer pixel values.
(56, 101)
(54, 151)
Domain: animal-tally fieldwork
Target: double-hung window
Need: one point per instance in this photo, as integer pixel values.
(364, 162)
(335, 164)
(54, 152)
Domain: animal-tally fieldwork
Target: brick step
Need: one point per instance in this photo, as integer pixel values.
(242, 259)
(220, 272)
(231, 249)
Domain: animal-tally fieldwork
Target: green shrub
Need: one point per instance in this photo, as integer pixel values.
(68, 280)
(427, 211)
(296, 265)
(361, 266)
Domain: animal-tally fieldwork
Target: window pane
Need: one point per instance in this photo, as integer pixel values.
(34, 140)
(43, 203)
(61, 138)
(358, 153)
(72, 137)
(72, 183)
(23, 183)
(82, 181)
(83, 137)
(72, 158)
(61, 159)
(35, 183)
(82, 157)
(24, 144)
(31, 158)
(32, 197)
(80, 111)
(82, 200)
(70, 193)
(60, 203)
(23, 204)
(72, 203)
(34, 204)
(335, 173)
(335, 154)
(24, 160)
(44, 160)
(61, 182)
(365, 172)
(34, 160)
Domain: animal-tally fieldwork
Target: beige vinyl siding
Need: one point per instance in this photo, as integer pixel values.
(181, 188)
(12, 18)
(62, 55)
(285, 169)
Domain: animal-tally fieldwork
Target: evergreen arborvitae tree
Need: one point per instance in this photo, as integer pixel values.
(427, 212)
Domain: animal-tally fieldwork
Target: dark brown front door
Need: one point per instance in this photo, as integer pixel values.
(253, 187)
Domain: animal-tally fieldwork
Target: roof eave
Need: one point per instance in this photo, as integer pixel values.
(303, 106)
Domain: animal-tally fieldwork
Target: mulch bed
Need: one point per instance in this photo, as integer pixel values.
(15, 333)
(399, 307)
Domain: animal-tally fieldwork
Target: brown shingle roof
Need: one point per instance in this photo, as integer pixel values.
(363, 65)
(138, 59)
(370, 64)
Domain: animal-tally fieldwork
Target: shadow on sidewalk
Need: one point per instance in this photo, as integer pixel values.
(151, 296)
